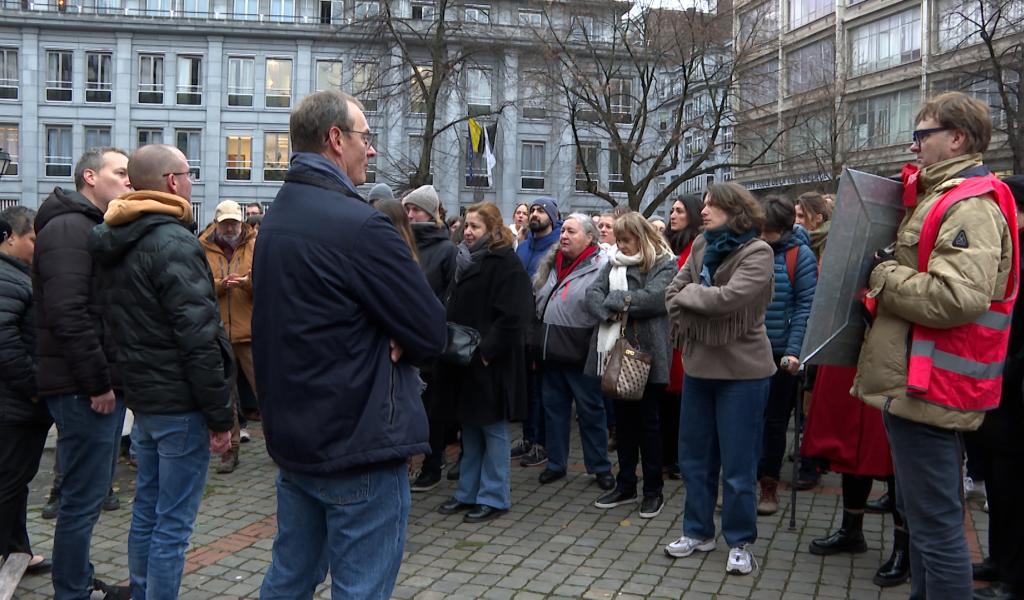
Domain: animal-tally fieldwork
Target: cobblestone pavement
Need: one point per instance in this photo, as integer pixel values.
(552, 544)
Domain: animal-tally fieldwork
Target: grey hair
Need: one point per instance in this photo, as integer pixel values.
(586, 223)
(312, 119)
(92, 160)
(21, 219)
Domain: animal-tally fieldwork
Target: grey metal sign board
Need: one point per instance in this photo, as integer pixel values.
(868, 212)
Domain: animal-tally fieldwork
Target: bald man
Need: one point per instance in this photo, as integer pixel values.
(167, 325)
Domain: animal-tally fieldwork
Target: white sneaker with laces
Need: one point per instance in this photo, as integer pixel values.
(243, 436)
(741, 561)
(686, 546)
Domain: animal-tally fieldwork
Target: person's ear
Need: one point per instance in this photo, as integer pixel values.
(89, 177)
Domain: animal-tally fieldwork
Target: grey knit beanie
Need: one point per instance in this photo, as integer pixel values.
(424, 197)
(381, 191)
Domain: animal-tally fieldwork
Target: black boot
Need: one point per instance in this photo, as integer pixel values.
(849, 538)
(896, 570)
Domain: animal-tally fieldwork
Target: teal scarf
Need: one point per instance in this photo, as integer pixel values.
(721, 242)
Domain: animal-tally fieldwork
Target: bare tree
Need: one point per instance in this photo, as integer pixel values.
(987, 39)
(658, 86)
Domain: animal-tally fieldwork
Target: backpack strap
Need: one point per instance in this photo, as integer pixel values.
(791, 256)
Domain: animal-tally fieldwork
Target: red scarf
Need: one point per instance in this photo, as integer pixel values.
(909, 175)
(563, 272)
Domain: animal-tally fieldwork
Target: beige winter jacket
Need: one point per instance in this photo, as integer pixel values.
(959, 286)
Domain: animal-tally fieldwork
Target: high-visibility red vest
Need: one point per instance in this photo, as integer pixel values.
(962, 367)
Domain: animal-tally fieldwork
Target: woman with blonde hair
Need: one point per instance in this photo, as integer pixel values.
(632, 285)
(490, 293)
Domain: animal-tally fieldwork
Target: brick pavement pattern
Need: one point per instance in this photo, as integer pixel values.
(552, 544)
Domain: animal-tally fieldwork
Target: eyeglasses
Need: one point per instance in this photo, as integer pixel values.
(189, 173)
(921, 135)
(368, 136)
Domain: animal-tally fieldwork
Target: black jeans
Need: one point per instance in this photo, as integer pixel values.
(669, 421)
(781, 400)
(433, 462)
(21, 447)
(639, 436)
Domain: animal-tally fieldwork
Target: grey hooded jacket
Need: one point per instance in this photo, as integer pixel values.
(565, 323)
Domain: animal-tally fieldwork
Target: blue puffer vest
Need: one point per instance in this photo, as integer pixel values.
(786, 319)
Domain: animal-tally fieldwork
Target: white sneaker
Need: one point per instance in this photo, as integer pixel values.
(243, 435)
(685, 546)
(741, 561)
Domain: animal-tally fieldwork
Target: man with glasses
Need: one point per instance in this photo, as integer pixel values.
(77, 377)
(163, 314)
(341, 315)
(932, 359)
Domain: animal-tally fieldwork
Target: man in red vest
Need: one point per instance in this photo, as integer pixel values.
(932, 360)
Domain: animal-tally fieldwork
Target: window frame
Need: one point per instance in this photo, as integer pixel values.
(340, 64)
(532, 176)
(585, 151)
(241, 169)
(53, 160)
(93, 130)
(9, 147)
(155, 87)
(369, 95)
(95, 91)
(194, 159)
(236, 91)
(148, 131)
(283, 97)
(9, 83)
(474, 101)
(189, 91)
(275, 170)
(62, 89)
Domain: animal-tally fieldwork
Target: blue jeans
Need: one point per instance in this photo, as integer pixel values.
(720, 426)
(353, 525)
(86, 440)
(563, 383)
(927, 461)
(485, 476)
(174, 455)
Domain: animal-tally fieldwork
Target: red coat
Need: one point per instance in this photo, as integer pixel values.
(845, 430)
(675, 375)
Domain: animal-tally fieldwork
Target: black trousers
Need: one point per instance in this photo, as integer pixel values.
(669, 422)
(639, 434)
(21, 448)
(434, 461)
(781, 401)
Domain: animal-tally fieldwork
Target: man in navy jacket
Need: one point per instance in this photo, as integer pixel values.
(341, 313)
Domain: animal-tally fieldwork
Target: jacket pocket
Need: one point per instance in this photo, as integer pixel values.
(567, 344)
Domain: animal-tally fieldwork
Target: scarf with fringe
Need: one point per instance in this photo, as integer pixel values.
(608, 332)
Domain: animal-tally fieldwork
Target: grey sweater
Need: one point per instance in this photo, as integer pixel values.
(720, 327)
(647, 313)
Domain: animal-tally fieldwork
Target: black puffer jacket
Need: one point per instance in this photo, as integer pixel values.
(437, 255)
(17, 338)
(74, 353)
(165, 319)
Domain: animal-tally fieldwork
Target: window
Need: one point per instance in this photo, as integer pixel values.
(586, 166)
(476, 171)
(282, 11)
(983, 86)
(364, 85)
(532, 18)
(197, 212)
(279, 83)
(96, 137)
(190, 80)
(8, 74)
(726, 138)
(532, 166)
(884, 120)
(58, 158)
(158, 8)
(328, 75)
(98, 77)
(802, 12)
(478, 91)
(151, 79)
(583, 27)
(417, 95)
(58, 76)
(371, 169)
(620, 95)
(811, 137)
(534, 95)
(618, 165)
(367, 9)
(150, 136)
(812, 66)
(195, 8)
(246, 10)
(423, 11)
(275, 156)
(477, 13)
(241, 86)
(108, 7)
(239, 158)
(759, 25)
(9, 144)
(760, 85)
(886, 42)
(190, 142)
(331, 11)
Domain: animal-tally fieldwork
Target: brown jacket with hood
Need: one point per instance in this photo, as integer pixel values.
(236, 302)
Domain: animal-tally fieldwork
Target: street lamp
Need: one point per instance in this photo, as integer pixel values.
(5, 160)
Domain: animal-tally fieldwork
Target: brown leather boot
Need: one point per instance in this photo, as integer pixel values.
(228, 461)
(769, 502)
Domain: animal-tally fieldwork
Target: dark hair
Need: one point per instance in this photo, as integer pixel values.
(814, 203)
(92, 160)
(957, 110)
(620, 209)
(779, 213)
(311, 121)
(20, 219)
(490, 214)
(679, 240)
(745, 213)
(5, 230)
(394, 210)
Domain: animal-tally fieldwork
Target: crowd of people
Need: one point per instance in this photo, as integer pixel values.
(675, 342)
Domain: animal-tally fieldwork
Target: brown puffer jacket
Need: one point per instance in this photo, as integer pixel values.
(235, 303)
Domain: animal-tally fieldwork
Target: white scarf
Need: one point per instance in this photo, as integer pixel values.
(608, 332)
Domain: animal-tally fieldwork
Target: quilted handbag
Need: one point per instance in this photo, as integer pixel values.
(627, 368)
(461, 345)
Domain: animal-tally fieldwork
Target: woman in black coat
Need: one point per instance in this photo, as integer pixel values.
(491, 293)
(24, 421)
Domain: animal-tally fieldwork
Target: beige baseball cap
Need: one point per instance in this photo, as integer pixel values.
(228, 209)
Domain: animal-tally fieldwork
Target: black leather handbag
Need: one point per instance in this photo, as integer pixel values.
(461, 346)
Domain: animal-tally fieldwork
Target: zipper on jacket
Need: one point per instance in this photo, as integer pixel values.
(544, 354)
(391, 394)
